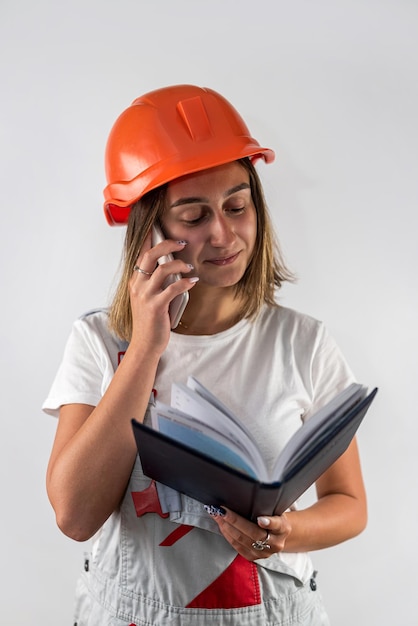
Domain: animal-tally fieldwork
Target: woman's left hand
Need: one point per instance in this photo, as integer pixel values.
(339, 513)
(254, 541)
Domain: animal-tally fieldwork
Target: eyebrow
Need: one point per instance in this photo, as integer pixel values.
(197, 199)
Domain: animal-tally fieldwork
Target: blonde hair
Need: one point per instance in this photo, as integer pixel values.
(265, 273)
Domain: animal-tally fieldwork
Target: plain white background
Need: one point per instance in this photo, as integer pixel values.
(332, 87)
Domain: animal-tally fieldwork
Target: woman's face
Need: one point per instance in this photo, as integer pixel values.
(213, 211)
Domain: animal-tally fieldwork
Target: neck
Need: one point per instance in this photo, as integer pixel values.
(210, 313)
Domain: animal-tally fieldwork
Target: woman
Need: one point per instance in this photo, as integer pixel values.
(182, 157)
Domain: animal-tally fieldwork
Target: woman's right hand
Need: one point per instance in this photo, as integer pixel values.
(149, 299)
(94, 450)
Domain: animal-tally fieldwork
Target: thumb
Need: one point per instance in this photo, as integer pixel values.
(264, 522)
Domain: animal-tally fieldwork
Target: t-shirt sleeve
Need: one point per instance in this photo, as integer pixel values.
(84, 371)
(330, 372)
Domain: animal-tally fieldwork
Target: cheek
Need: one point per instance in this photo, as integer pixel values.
(169, 229)
(174, 229)
(179, 233)
(190, 253)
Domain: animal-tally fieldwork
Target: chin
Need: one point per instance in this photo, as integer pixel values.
(219, 284)
(221, 277)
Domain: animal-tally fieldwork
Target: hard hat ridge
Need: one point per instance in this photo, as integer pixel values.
(194, 115)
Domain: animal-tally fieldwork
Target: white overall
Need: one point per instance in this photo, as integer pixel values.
(147, 570)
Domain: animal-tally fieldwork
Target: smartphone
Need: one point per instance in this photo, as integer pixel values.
(179, 303)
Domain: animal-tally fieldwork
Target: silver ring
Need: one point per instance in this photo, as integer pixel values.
(261, 544)
(138, 269)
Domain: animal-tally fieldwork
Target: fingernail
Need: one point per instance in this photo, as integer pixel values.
(264, 521)
(194, 279)
(190, 266)
(182, 242)
(214, 511)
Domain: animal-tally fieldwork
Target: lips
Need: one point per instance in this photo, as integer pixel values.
(226, 260)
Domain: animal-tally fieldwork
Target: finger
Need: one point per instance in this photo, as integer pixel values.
(278, 526)
(160, 255)
(166, 247)
(142, 271)
(239, 532)
(269, 534)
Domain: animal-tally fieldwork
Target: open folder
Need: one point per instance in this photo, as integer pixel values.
(200, 448)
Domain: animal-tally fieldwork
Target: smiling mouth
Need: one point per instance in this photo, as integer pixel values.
(224, 260)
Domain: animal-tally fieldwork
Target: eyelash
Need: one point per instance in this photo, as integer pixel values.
(195, 222)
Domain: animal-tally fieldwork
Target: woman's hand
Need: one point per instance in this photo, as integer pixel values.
(250, 540)
(339, 513)
(149, 297)
(94, 450)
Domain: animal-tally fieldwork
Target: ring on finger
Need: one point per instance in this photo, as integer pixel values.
(139, 269)
(261, 544)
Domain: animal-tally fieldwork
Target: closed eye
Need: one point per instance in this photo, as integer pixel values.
(196, 220)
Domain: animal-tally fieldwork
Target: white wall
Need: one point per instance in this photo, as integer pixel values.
(332, 86)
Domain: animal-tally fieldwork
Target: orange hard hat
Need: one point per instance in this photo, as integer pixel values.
(168, 133)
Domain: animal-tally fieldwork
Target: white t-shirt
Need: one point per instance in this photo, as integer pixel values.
(272, 372)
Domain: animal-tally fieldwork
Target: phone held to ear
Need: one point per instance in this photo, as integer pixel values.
(179, 303)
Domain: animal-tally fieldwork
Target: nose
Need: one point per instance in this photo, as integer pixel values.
(222, 232)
